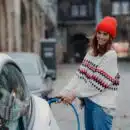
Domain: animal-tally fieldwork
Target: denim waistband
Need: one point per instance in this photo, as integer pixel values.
(91, 103)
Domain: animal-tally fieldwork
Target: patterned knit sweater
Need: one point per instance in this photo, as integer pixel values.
(96, 78)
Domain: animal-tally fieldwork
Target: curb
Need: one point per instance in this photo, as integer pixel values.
(124, 59)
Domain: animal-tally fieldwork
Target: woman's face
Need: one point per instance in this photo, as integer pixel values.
(102, 37)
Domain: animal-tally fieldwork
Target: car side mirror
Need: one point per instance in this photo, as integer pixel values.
(49, 75)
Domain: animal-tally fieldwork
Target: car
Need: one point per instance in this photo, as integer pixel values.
(122, 49)
(35, 71)
(20, 109)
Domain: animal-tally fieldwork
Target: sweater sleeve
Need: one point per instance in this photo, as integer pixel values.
(101, 78)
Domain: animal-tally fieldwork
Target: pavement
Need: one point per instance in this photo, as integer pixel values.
(65, 117)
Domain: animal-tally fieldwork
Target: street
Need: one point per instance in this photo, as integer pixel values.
(64, 115)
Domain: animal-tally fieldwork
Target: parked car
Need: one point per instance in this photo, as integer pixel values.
(35, 72)
(122, 49)
(19, 109)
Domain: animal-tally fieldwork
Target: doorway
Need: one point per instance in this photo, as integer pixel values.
(80, 44)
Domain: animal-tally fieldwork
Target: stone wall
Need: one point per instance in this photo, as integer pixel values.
(21, 25)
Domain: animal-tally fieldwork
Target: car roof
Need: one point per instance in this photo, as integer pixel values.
(26, 57)
(23, 54)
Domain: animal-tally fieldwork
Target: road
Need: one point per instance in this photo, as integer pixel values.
(65, 117)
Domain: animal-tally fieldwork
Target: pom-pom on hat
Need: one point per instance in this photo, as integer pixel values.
(108, 24)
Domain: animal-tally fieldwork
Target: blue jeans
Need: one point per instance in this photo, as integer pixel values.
(95, 117)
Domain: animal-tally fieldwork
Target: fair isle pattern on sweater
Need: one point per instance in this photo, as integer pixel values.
(99, 79)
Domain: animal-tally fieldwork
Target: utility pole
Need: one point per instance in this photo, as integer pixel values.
(98, 11)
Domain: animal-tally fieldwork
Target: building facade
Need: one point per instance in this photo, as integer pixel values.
(76, 21)
(22, 23)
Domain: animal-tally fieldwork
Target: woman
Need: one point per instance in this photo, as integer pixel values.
(97, 79)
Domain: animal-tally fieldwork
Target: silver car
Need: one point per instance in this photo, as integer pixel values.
(19, 109)
(35, 72)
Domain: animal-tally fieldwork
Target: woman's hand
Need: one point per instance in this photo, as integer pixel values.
(68, 99)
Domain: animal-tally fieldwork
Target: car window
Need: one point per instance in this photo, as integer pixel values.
(28, 67)
(12, 78)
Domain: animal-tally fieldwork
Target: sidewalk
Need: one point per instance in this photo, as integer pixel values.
(121, 123)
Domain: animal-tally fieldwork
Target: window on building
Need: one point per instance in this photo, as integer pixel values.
(79, 10)
(125, 7)
(116, 8)
(75, 10)
(119, 7)
(83, 10)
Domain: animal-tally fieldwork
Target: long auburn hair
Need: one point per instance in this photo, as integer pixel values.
(98, 49)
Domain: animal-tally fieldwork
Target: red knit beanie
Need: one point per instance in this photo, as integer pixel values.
(109, 25)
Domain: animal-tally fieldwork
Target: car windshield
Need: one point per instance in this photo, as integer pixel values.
(29, 65)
